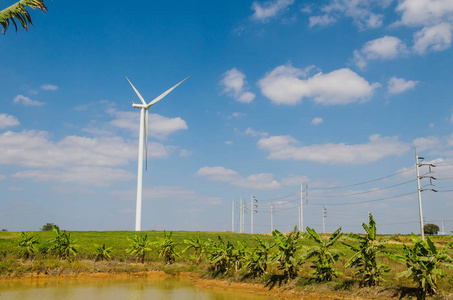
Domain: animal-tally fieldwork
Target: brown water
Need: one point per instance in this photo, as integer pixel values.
(115, 289)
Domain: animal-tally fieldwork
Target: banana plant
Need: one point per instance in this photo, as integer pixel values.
(221, 254)
(18, 12)
(198, 247)
(167, 247)
(286, 253)
(422, 262)
(62, 244)
(365, 257)
(139, 247)
(325, 257)
(257, 258)
(27, 244)
(103, 252)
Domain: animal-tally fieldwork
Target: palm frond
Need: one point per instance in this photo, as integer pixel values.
(19, 12)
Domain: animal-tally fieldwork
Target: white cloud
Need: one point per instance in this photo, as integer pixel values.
(8, 121)
(49, 87)
(322, 21)
(399, 85)
(435, 38)
(263, 12)
(424, 12)
(159, 126)
(34, 149)
(385, 48)
(73, 190)
(237, 115)
(92, 176)
(288, 148)
(2, 177)
(228, 143)
(235, 86)
(184, 153)
(317, 121)
(360, 11)
(294, 180)
(80, 160)
(284, 85)
(250, 131)
(218, 174)
(175, 193)
(21, 99)
(263, 181)
(425, 143)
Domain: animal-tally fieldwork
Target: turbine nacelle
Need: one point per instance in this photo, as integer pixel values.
(135, 105)
(155, 100)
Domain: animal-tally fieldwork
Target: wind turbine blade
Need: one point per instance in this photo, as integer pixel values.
(165, 93)
(136, 92)
(146, 140)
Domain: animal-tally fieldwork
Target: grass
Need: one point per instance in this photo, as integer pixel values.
(12, 265)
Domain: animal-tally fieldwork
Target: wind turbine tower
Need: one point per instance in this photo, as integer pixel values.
(143, 134)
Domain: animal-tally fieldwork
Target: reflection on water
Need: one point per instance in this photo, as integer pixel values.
(112, 289)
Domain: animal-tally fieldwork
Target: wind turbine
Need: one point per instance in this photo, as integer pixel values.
(144, 135)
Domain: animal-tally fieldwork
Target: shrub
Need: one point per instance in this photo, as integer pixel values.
(49, 227)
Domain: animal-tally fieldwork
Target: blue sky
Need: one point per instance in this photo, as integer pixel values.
(334, 94)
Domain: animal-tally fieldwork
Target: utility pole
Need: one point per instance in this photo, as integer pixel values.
(244, 210)
(443, 230)
(232, 218)
(272, 217)
(324, 215)
(419, 190)
(301, 212)
(241, 213)
(253, 209)
(419, 194)
(251, 214)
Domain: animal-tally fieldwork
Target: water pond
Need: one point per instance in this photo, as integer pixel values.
(115, 289)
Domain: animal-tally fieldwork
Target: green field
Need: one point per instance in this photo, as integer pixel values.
(13, 264)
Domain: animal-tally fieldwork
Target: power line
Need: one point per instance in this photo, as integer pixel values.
(366, 201)
(278, 198)
(363, 182)
(446, 191)
(360, 193)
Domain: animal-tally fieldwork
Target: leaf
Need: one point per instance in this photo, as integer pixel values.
(19, 12)
(312, 233)
(431, 245)
(406, 273)
(334, 237)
